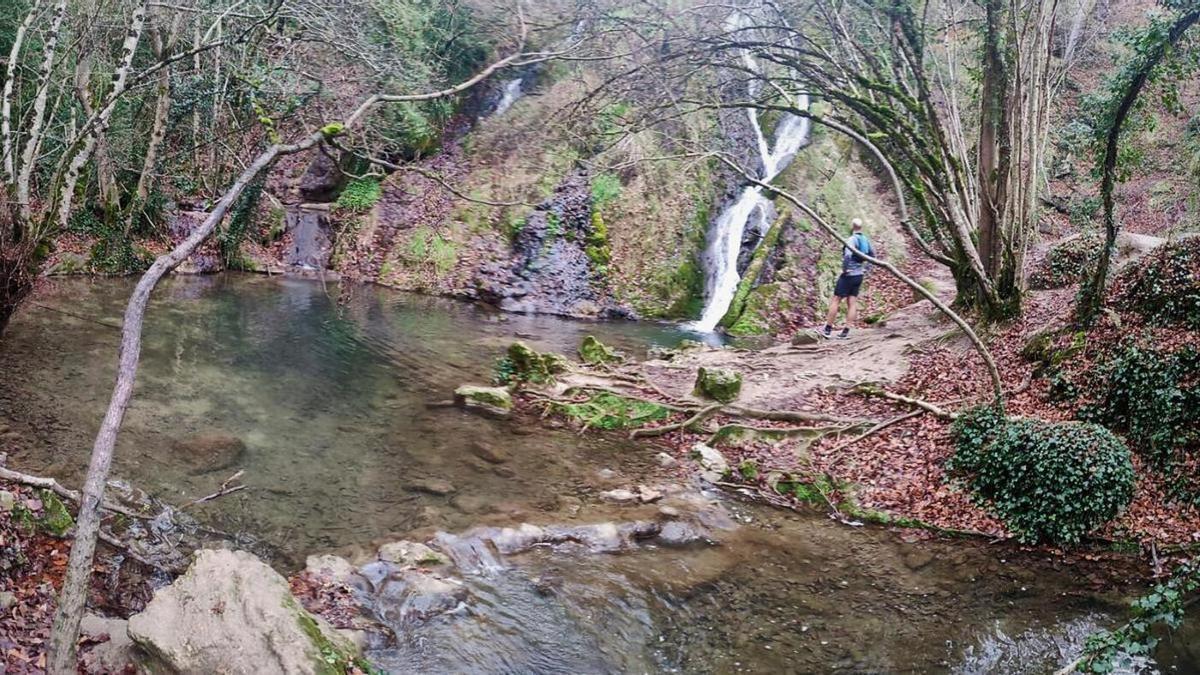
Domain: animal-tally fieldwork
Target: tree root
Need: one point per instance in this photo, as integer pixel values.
(790, 416)
(869, 432)
(699, 417)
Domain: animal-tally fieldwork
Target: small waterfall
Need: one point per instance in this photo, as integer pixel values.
(751, 209)
(509, 95)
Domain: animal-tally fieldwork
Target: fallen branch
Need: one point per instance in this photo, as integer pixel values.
(58, 489)
(686, 424)
(873, 430)
(931, 408)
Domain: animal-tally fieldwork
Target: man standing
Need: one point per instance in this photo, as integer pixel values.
(854, 267)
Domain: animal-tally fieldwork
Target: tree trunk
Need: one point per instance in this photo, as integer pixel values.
(10, 79)
(39, 112)
(158, 131)
(120, 78)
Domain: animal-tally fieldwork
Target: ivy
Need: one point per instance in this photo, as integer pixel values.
(1125, 647)
(359, 195)
(1049, 482)
(1068, 262)
(1165, 287)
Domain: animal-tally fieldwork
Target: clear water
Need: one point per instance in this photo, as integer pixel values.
(327, 387)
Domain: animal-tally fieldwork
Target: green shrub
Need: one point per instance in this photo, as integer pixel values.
(1068, 263)
(359, 195)
(1049, 482)
(1165, 286)
(606, 188)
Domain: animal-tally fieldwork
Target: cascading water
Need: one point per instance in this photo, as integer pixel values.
(751, 208)
(509, 95)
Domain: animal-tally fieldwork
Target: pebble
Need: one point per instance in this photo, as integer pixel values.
(488, 453)
(666, 461)
(619, 496)
(7, 501)
(433, 486)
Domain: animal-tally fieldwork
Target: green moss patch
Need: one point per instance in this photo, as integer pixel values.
(611, 411)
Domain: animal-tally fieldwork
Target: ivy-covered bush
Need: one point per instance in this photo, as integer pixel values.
(1165, 286)
(1068, 262)
(1152, 396)
(1049, 482)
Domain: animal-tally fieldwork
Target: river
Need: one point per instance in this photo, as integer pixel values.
(327, 387)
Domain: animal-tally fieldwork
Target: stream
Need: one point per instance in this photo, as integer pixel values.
(327, 385)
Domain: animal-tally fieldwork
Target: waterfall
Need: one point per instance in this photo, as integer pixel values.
(751, 209)
(509, 95)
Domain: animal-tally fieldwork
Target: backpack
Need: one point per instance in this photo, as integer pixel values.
(861, 244)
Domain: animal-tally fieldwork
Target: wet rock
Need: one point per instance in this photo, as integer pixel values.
(492, 401)
(530, 365)
(209, 452)
(620, 496)
(719, 384)
(680, 533)
(504, 472)
(331, 567)
(665, 460)
(488, 453)
(415, 595)
(322, 180)
(432, 486)
(411, 554)
(231, 613)
(715, 466)
(112, 650)
(311, 237)
(668, 512)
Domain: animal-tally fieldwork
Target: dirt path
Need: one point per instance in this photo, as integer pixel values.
(784, 376)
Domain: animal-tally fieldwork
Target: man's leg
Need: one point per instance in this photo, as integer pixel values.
(831, 316)
(851, 310)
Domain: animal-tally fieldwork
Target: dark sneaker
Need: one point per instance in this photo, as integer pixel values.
(828, 331)
(844, 334)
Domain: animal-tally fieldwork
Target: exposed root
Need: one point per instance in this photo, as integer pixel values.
(790, 416)
(684, 425)
(873, 430)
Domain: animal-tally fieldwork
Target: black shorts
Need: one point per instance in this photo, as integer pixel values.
(848, 285)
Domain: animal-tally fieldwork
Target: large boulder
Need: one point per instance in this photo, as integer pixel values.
(231, 613)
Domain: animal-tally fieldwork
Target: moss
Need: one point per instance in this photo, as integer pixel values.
(611, 411)
(335, 657)
(719, 384)
(333, 129)
(493, 397)
(596, 246)
(597, 353)
(749, 469)
(54, 519)
(762, 303)
(525, 364)
(738, 306)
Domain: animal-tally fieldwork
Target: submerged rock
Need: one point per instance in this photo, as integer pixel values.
(719, 384)
(488, 453)
(207, 452)
(433, 486)
(231, 613)
(331, 567)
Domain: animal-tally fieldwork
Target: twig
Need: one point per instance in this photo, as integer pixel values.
(686, 424)
(873, 430)
(790, 416)
(225, 489)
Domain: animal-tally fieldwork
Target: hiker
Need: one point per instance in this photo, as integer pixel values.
(854, 268)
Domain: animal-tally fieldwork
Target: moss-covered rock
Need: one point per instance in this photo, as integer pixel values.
(54, 518)
(491, 400)
(596, 353)
(522, 363)
(736, 316)
(719, 384)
